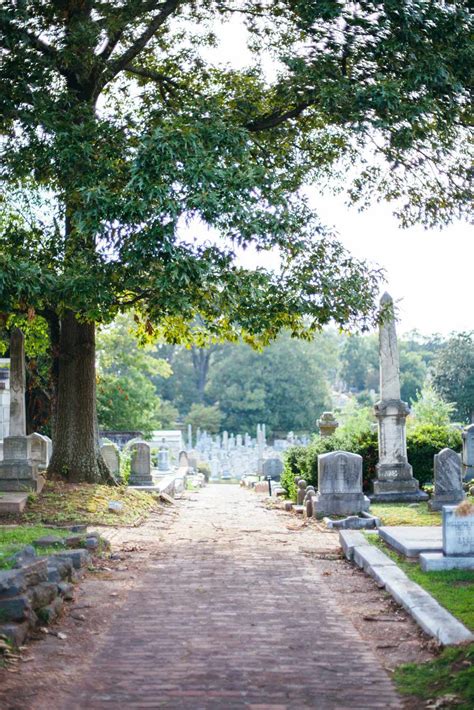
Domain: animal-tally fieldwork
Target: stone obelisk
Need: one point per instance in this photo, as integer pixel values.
(395, 481)
(17, 384)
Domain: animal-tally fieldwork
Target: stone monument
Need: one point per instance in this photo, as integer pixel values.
(327, 424)
(272, 467)
(339, 485)
(468, 453)
(395, 481)
(448, 488)
(458, 541)
(140, 465)
(111, 457)
(163, 459)
(22, 464)
(301, 491)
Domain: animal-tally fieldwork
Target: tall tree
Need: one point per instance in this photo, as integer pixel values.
(117, 129)
(453, 374)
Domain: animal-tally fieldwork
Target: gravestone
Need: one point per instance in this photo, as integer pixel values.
(272, 467)
(40, 450)
(327, 424)
(448, 488)
(111, 457)
(308, 501)
(19, 471)
(301, 491)
(163, 459)
(339, 485)
(183, 460)
(140, 465)
(395, 481)
(458, 541)
(468, 453)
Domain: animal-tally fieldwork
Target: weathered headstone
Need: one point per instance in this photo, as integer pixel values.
(308, 501)
(395, 481)
(339, 485)
(272, 467)
(448, 488)
(183, 460)
(111, 457)
(163, 459)
(40, 450)
(468, 453)
(458, 541)
(17, 384)
(327, 424)
(301, 491)
(140, 465)
(19, 471)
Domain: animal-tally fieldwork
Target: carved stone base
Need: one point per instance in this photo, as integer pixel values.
(453, 498)
(398, 490)
(20, 476)
(339, 504)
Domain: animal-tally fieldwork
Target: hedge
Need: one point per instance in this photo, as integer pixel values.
(423, 442)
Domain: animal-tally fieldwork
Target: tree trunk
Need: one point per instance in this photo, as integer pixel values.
(200, 359)
(76, 453)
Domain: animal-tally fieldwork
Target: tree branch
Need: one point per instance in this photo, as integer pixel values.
(167, 9)
(271, 120)
(150, 74)
(46, 49)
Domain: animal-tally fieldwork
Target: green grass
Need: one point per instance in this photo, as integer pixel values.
(453, 589)
(402, 514)
(13, 539)
(450, 676)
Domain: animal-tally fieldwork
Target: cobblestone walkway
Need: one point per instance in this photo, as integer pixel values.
(231, 614)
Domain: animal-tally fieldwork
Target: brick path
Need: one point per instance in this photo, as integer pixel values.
(231, 614)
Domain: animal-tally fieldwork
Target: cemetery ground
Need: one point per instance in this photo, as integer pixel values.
(223, 602)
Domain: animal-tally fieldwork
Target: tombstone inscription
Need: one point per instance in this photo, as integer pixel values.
(339, 485)
(448, 488)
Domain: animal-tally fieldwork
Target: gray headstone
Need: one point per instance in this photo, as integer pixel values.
(468, 453)
(17, 384)
(111, 457)
(39, 449)
(458, 532)
(301, 492)
(339, 485)
(273, 467)
(140, 466)
(448, 488)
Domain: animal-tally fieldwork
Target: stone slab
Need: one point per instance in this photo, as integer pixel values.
(437, 562)
(367, 557)
(12, 502)
(415, 497)
(411, 541)
(431, 616)
(349, 540)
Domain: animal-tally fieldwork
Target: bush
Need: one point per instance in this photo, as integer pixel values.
(426, 440)
(423, 442)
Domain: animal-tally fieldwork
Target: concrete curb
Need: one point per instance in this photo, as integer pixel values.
(434, 619)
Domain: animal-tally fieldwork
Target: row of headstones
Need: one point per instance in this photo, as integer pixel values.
(340, 484)
(140, 462)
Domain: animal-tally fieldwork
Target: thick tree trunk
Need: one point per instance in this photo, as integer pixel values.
(76, 452)
(200, 359)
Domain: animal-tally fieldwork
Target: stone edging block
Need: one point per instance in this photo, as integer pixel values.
(434, 619)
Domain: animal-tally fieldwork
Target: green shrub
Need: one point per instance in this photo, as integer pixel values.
(426, 440)
(423, 442)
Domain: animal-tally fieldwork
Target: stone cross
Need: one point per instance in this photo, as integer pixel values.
(17, 384)
(448, 488)
(395, 481)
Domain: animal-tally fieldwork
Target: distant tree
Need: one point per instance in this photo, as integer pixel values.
(453, 374)
(284, 386)
(430, 408)
(359, 362)
(204, 417)
(412, 373)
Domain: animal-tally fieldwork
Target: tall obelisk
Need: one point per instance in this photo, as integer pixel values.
(395, 481)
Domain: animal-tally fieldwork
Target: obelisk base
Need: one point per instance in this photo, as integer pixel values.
(395, 484)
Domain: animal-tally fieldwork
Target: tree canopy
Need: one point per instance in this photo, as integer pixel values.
(118, 130)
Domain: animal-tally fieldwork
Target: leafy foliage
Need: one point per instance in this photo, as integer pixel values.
(453, 374)
(207, 418)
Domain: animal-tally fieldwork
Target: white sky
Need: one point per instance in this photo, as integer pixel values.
(430, 273)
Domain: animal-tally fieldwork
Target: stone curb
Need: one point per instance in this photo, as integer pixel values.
(434, 619)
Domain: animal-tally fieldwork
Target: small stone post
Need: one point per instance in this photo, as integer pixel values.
(17, 384)
(327, 424)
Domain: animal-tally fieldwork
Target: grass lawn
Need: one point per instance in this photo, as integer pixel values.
(453, 589)
(402, 514)
(449, 677)
(65, 503)
(15, 538)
